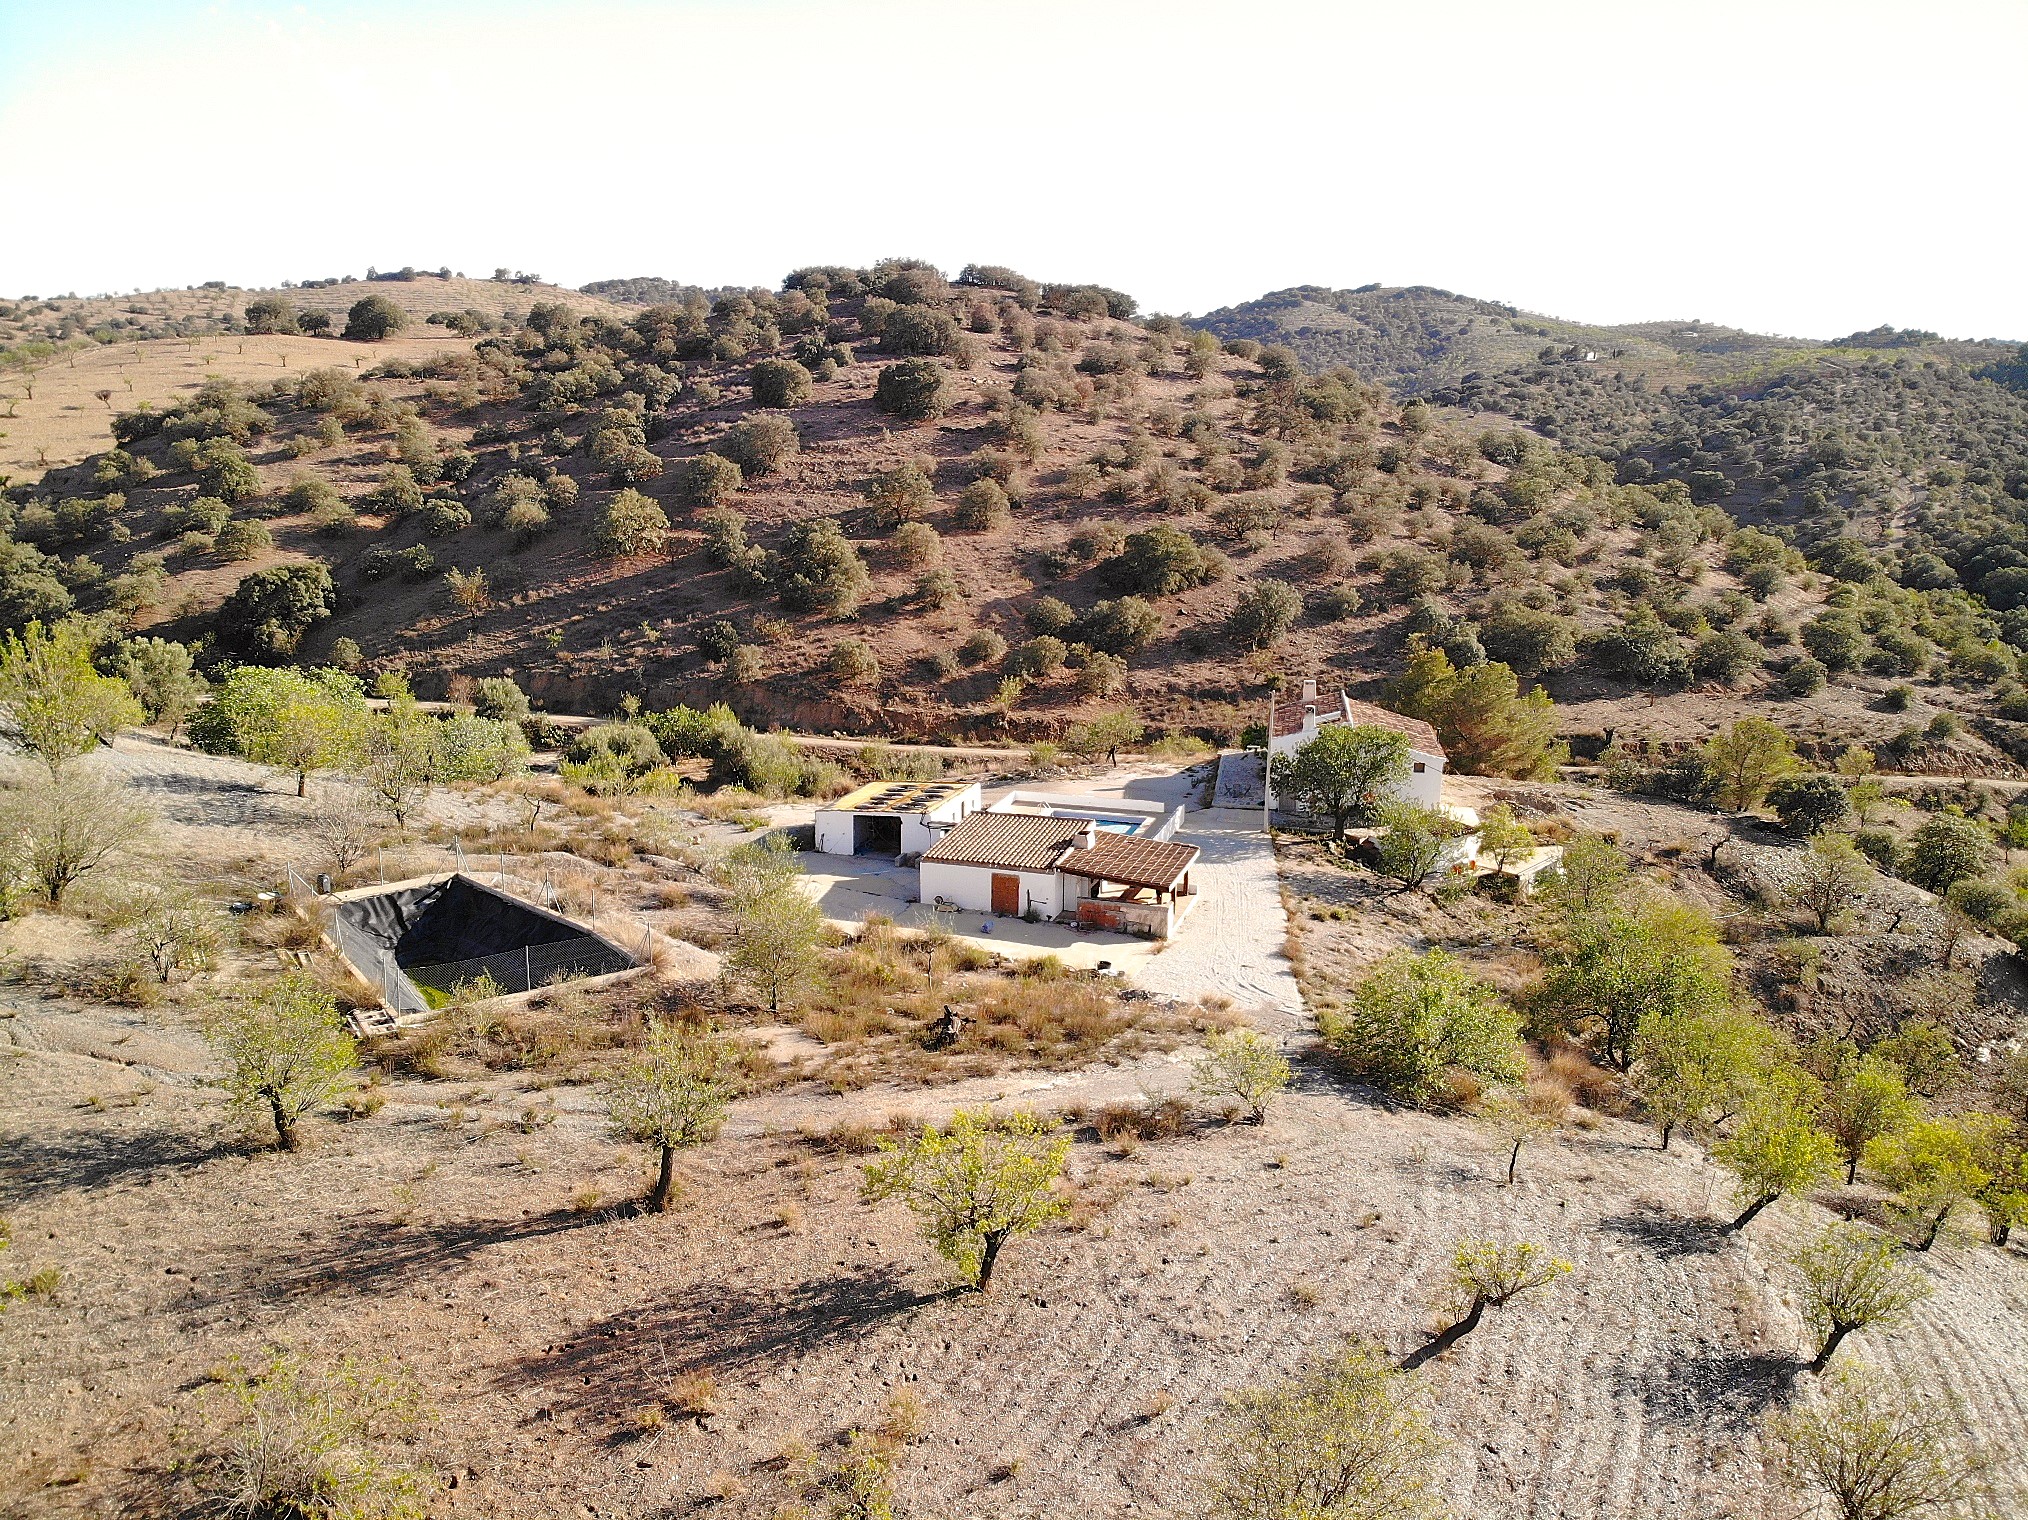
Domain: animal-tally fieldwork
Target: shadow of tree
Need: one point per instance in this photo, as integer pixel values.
(628, 1359)
(1707, 1386)
(40, 1164)
(1665, 1233)
(371, 1254)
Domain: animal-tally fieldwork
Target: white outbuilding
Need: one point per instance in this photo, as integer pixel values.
(894, 819)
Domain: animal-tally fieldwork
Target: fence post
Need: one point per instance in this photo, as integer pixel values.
(380, 863)
(527, 971)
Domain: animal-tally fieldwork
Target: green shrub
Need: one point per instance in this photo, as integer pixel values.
(983, 647)
(820, 570)
(1040, 656)
(779, 383)
(398, 493)
(1122, 627)
(916, 545)
(499, 697)
(630, 524)
(243, 540)
(1101, 675)
(708, 480)
(201, 514)
(760, 445)
(915, 390)
(853, 662)
(1805, 678)
(1048, 614)
(268, 612)
(1161, 561)
(921, 331)
(441, 516)
(1983, 901)
(1807, 805)
(1264, 613)
(982, 506)
(901, 493)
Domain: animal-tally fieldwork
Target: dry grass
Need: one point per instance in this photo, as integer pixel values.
(885, 990)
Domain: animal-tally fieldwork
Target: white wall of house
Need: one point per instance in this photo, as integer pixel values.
(1423, 785)
(919, 830)
(971, 887)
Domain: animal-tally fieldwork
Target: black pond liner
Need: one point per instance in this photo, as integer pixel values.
(416, 944)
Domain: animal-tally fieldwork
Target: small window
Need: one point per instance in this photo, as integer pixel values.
(1418, 767)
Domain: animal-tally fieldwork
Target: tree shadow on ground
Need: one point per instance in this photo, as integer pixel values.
(1711, 1387)
(630, 1359)
(38, 1165)
(1667, 1234)
(371, 1254)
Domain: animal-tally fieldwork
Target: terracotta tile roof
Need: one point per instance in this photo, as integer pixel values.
(1336, 707)
(1155, 863)
(1010, 841)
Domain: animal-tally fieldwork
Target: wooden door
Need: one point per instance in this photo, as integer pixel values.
(1007, 895)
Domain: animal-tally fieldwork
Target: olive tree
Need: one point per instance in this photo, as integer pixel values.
(672, 1094)
(286, 1052)
(975, 1184)
(1345, 772)
(1415, 1017)
(1345, 1440)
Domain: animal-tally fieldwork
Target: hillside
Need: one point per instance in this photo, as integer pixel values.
(1102, 511)
(155, 348)
(1417, 339)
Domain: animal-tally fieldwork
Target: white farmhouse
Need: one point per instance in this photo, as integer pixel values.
(1031, 856)
(894, 819)
(1298, 721)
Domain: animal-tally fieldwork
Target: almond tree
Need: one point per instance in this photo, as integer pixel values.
(1852, 1278)
(287, 1052)
(1343, 1441)
(1876, 1449)
(1488, 1275)
(1776, 1149)
(975, 1184)
(673, 1095)
(53, 702)
(1242, 1064)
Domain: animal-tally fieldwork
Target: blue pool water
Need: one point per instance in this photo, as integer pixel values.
(1118, 825)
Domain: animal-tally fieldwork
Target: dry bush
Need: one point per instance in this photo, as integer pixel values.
(1149, 1118)
(695, 1392)
(1586, 1081)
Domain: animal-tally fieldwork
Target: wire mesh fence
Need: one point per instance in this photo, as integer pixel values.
(520, 970)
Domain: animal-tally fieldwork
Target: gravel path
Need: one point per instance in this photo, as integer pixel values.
(1231, 944)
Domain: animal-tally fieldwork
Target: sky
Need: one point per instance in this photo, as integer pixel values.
(1786, 166)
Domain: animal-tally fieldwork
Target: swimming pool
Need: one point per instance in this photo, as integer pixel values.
(1119, 825)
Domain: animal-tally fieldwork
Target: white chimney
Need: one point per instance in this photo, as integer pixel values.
(1087, 834)
(1309, 688)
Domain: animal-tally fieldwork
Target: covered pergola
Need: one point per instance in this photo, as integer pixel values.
(1152, 876)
